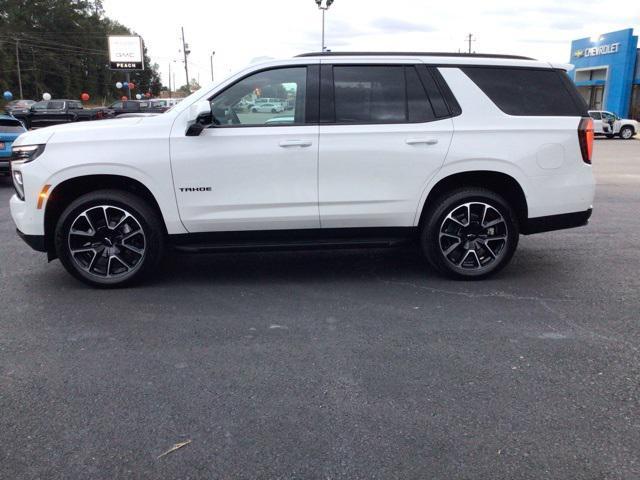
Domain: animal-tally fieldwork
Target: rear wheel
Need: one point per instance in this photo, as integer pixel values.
(109, 238)
(469, 233)
(626, 133)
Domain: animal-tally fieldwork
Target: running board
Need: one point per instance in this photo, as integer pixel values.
(290, 240)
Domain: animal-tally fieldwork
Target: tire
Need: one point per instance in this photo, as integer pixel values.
(273, 110)
(485, 245)
(626, 133)
(117, 254)
(254, 110)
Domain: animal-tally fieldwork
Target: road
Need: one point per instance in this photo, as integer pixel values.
(333, 365)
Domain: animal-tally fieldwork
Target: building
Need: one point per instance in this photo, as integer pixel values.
(607, 72)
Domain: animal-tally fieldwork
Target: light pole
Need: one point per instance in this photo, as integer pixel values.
(324, 6)
(211, 58)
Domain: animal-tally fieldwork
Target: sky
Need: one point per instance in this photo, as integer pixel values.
(241, 31)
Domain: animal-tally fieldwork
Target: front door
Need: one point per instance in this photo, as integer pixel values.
(384, 143)
(251, 170)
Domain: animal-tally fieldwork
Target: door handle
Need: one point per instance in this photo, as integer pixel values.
(295, 143)
(417, 141)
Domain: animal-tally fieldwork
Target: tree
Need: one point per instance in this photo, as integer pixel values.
(62, 47)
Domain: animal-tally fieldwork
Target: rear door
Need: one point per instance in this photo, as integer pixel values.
(382, 137)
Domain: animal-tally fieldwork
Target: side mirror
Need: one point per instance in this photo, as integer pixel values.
(199, 116)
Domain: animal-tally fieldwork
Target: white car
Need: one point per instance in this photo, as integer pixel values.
(609, 124)
(267, 108)
(459, 154)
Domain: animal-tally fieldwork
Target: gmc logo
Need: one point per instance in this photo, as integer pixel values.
(195, 189)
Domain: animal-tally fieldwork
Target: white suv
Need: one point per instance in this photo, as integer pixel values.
(458, 153)
(609, 124)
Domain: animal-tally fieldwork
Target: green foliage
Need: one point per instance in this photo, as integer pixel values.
(63, 50)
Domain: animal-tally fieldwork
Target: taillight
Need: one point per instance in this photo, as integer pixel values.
(585, 138)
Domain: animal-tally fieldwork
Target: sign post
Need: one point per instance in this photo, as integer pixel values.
(126, 54)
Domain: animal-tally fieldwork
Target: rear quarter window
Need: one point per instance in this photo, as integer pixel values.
(528, 91)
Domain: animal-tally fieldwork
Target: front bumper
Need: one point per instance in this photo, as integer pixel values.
(556, 222)
(4, 166)
(34, 241)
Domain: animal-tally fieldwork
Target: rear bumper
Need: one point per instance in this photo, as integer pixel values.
(556, 222)
(34, 241)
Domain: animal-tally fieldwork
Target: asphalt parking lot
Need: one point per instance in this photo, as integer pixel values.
(350, 364)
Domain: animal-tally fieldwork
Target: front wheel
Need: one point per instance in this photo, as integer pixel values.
(626, 133)
(109, 238)
(469, 233)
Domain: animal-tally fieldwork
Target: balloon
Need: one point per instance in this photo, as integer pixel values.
(7, 95)
(124, 98)
(85, 97)
(138, 96)
(125, 85)
(132, 85)
(119, 85)
(46, 96)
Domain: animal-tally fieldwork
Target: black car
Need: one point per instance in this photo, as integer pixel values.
(54, 112)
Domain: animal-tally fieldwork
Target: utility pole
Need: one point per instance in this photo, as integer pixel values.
(18, 65)
(170, 95)
(186, 51)
(211, 58)
(470, 39)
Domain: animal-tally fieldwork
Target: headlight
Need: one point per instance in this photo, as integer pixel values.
(26, 153)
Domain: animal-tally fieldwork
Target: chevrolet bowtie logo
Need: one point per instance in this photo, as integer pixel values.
(578, 53)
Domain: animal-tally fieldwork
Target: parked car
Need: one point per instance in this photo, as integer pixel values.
(161, 105)
(10, 128)
(267, 107)
(609, 124)
(55, 112)
(458, 154)
(19, 108)
(137, 106)
(284, 120)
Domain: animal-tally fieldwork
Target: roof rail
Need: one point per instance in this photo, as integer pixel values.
(414, 54)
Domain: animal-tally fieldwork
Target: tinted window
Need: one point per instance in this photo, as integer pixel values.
(595, 115)
(380, 94)
(40, 106)
(11, 126)
(419, 107)
(75, 105)
(116, 105)
(370, 94)
(271, 97)
(526, 91)
(55, 105)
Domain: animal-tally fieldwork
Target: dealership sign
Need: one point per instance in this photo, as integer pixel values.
(125, 53)
(600, 50)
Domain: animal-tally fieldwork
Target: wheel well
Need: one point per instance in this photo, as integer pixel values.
(500, 183)
(67, 191)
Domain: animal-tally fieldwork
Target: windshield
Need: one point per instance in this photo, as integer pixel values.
(11, 126)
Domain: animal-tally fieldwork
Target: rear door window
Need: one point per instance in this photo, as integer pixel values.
(527, 91)
(366, 94)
